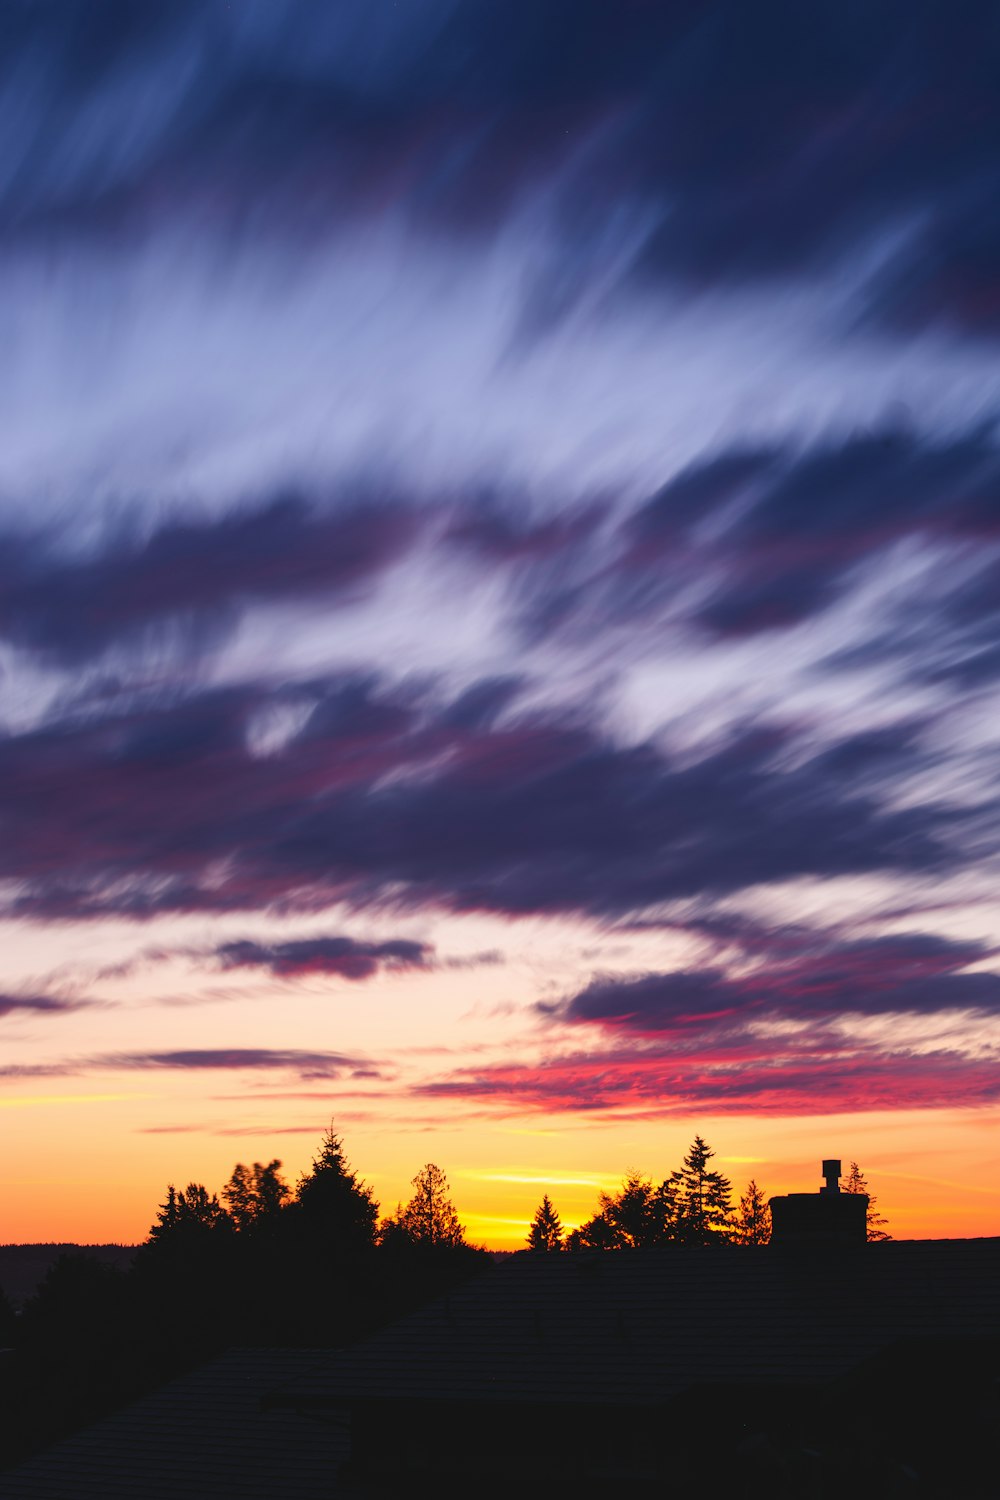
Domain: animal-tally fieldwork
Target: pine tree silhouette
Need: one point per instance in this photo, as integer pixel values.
(429, 1218)
(702, 1198)
(333, 1201)
(752, 1221)
(546, 1230)
(875, 1222)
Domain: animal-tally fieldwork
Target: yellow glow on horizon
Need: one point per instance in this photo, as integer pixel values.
(496, 1232)
(961, 1187)
(541, 1179)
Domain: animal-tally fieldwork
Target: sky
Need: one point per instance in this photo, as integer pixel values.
(499, 600)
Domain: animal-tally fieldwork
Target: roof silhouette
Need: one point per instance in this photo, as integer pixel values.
(628, 1330)
(204, 1436)
(636, 1327)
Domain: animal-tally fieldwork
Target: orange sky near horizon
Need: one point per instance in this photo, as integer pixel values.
(75, 1171)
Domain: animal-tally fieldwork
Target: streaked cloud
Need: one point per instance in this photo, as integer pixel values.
(164, 807)
(41, 1005)
(303, 1064)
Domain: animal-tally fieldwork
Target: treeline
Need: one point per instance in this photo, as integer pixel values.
(331, 1207)
(692, 1206)
(260, 1263)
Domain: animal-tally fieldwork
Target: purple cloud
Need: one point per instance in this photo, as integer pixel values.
(770, 1033)
(192, 578)
(719, 1078)
(232, 1059)
(382, 795)
(345, 957)
(41, 1005)
(305, 1065)
(777, 536)
(806, 977)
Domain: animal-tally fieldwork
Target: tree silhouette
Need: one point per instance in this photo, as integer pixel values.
(255, 1195)
(638, 1214)
(874, 1221)
(166, 1217)
(239, 1197)
(332, 1200)
(752, 1221)
(429, 1218)
(189, 1214)
(546, 1230)
(702, 1200)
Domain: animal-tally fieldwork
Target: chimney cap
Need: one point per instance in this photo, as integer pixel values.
(831, 1171)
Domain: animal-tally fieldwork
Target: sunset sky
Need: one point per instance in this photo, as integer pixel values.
(499, 600)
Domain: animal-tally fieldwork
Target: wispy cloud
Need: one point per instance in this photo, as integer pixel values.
(305, 1065)
(42, 1005)
(826, 1076)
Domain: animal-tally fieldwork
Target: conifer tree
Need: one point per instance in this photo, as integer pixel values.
(192, 1212)
(166, 1217)
(333, 1201)
(639, 1214)
(875, 1222)
(702, 1198)
(392, 1231)
(429, 1218)
(546, 1230)
(752, 1221)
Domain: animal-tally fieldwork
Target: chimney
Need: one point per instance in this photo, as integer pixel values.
(828, 1217)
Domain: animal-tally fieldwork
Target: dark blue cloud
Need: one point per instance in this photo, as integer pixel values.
(740, 542)
(750, 143)
(168, 807)
(806, 522)
(746, 541)
(810, 978)
(191, 579)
